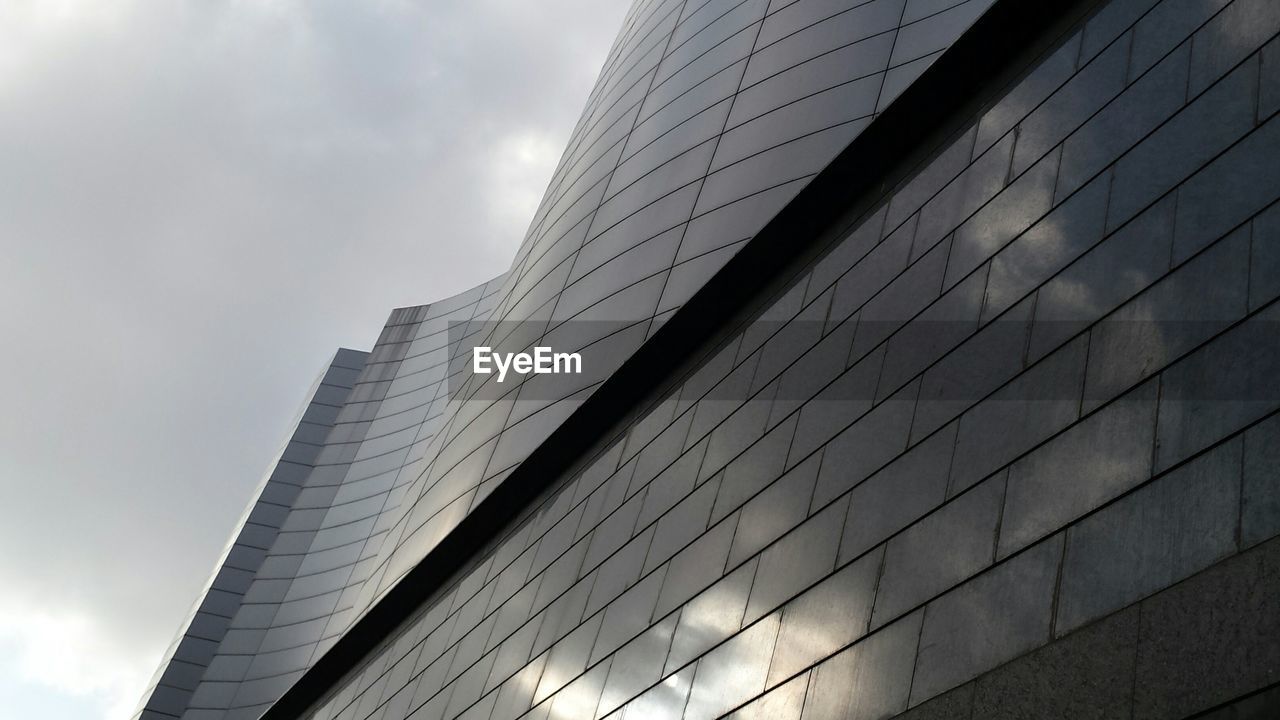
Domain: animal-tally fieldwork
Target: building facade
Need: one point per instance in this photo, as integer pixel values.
(929, 370)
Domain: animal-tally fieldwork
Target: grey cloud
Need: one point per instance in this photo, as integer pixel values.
(199, 202)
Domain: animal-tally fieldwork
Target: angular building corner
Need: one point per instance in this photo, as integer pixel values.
(929, 361)
(188, 657)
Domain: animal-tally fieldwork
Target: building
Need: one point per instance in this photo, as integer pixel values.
(929, 371)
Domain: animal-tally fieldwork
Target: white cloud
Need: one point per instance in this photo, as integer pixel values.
(519, 161)
(72, 652)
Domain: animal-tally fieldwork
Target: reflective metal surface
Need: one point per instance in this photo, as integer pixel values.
(1031, 385)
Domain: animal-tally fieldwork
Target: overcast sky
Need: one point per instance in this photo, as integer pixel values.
(199, 202)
